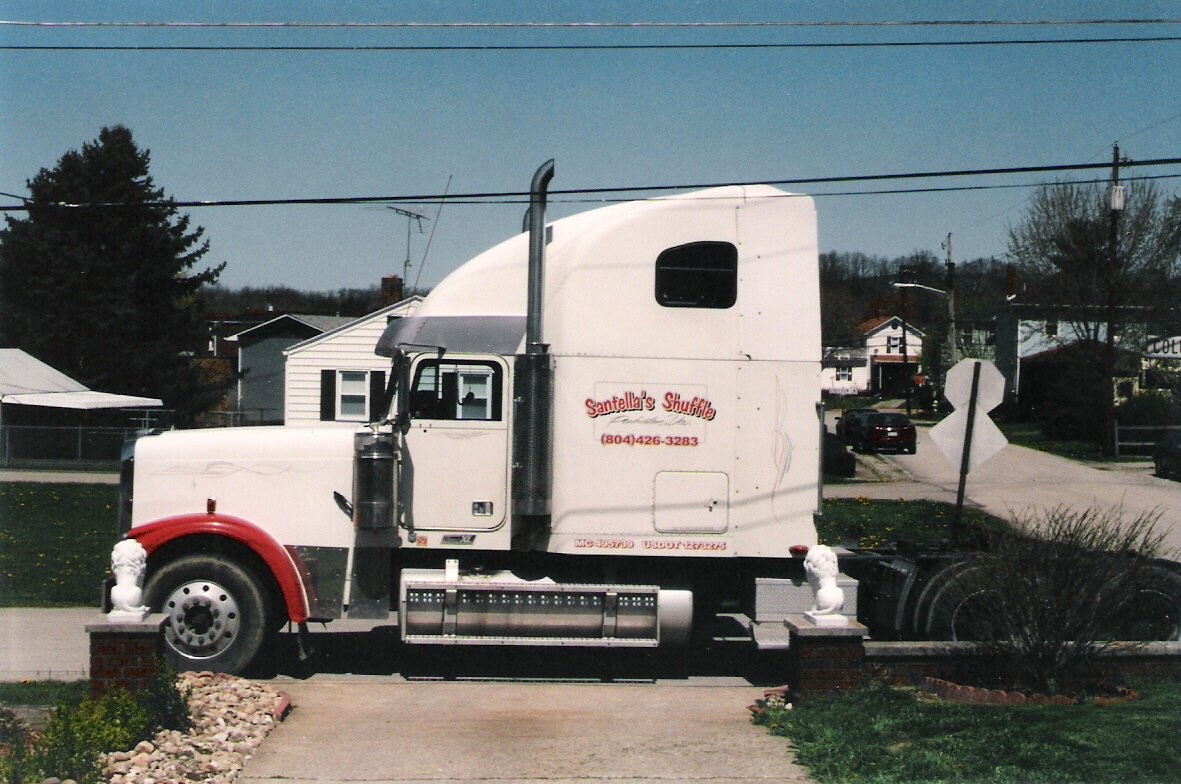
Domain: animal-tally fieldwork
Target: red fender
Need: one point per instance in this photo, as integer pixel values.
(154, 535)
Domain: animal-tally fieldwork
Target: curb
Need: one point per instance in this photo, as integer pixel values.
(282, 708)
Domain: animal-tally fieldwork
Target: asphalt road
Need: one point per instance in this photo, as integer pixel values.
(1020, 481)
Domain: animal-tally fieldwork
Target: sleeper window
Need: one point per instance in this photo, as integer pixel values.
(698, 275)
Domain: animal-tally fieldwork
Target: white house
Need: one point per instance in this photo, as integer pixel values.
(1029, 333)
(876, 366)
(335, 376)
(844, 370)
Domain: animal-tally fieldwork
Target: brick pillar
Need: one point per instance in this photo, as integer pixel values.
(124, 654)
(824, 659)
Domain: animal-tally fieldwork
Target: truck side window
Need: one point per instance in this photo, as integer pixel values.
(698, 275)
(456, 390)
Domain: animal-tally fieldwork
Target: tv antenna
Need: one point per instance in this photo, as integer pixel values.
(412, 219)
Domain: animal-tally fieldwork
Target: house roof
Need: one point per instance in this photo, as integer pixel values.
(318, 323)
(402, 308)
(27, 381)
(878, 323)
(843, 356)
(1087, 348)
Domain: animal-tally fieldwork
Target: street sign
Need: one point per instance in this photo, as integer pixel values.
(987, 439)
(950, 434)
(957, 388)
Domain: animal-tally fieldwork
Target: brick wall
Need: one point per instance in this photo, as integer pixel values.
(907, 663)
(124, 655)
(825, 663)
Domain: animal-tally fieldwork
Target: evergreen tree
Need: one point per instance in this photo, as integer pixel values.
(99, 279)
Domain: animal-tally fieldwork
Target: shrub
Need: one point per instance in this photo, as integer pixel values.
(1048, 599)
(166, 704)
(15, 742)
(74, 737)
(1149, 408)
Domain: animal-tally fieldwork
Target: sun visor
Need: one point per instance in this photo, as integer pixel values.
(457, 334)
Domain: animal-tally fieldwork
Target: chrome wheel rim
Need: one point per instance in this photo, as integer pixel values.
(203, 619)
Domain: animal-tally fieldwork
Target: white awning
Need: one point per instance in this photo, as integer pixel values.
(81, 399)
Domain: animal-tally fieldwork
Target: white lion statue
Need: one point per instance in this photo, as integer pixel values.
(827, 597)
(128, 561)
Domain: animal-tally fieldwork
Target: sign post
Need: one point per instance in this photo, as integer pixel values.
(974, 387)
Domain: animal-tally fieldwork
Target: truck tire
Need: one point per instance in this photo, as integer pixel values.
(1155, 612)
(952, 609)
(218, 613)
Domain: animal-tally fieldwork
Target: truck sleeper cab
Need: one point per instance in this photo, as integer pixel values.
(642, 463)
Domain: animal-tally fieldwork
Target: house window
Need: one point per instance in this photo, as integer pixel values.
(352, 395)
(844, 374)
(893, 344)
(698, 275)
(456, 391)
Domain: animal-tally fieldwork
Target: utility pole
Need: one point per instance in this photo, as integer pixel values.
(906, 273)
(411, 218)
(1116, 203)
(953, 342)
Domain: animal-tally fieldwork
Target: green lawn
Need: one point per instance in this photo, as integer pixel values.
(43, 693)
(55, 542)
(872, 522)
(1029, 434)
(887, 735)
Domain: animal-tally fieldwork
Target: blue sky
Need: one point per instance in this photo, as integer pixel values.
(244, 125)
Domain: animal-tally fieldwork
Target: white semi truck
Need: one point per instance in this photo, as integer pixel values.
(601, 432)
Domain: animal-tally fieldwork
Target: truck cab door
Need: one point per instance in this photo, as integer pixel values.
(454, 470)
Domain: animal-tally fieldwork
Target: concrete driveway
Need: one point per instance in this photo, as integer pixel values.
(520, 732)
(378, 711)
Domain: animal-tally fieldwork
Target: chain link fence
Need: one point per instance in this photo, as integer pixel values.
(40, 445)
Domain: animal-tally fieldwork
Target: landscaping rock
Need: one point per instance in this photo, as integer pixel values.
(230, 716)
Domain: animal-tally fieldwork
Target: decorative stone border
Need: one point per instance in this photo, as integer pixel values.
(972, 695)
(772, 698)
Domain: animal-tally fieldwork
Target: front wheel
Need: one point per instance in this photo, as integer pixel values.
(217, 613)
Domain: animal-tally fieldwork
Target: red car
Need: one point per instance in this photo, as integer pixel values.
(882, 432)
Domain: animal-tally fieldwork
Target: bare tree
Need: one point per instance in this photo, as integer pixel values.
(1096, 265)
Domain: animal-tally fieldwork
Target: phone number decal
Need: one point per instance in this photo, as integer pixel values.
(608, 439)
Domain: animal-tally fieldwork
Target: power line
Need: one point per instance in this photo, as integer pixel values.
(495, 196)
(582, 47)
(591, 24)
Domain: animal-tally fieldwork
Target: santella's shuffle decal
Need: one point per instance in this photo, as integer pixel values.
(697, 407)
(630, 401)
(650, 414)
